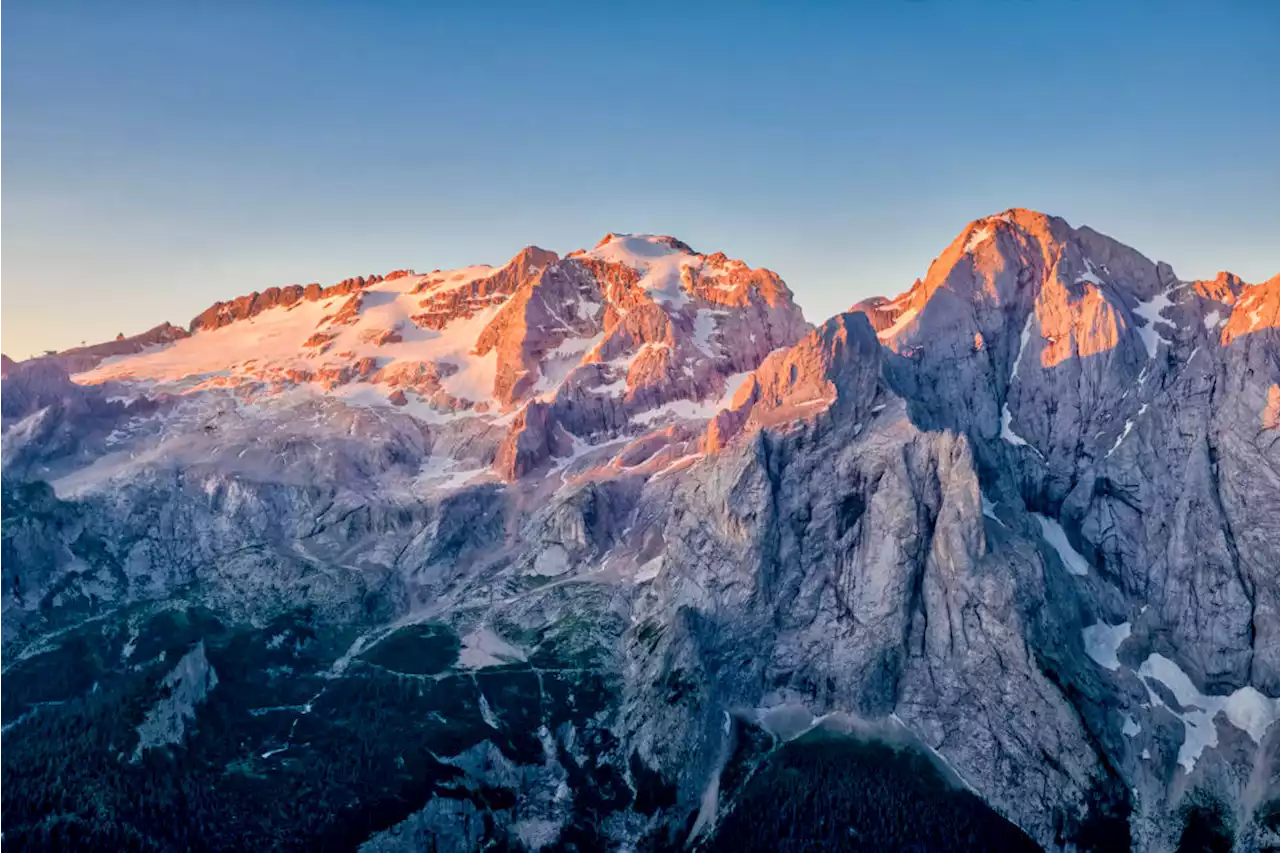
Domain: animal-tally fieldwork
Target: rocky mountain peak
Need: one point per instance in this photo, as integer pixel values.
(639, 332)
(1022, 311)
(1256, 309)
(640, 244)
(837, 364)
(1225, 287)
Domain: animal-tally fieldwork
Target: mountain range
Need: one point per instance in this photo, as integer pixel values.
(579, 552)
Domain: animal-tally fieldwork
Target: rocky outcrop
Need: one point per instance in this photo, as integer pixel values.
(553, 306)
(222, 314)
(837, 364)
(186, 686)
(607, 341)
(80, 359)
(461, 294)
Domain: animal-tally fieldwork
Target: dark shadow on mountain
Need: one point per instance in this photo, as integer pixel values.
(828, 791)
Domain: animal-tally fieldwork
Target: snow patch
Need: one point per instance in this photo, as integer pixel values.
(1128, 428)
(1247, 709)
(686, 409)
(1006, 428)
(1023, 339)
(274, 341)
(732, 383)
(977, 238)
(443, 473)
(454, 279)
(1053, 534)
(1102, 642)
(1150, 311)
(898, 325)
(611, 388)
(989, 510)
(1006, 416)
(1090, 274)
(661, 266)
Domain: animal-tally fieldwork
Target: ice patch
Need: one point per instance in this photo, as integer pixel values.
(1131, 728)
(687, 409)
(1247, 709)
(1006, 416)
(1150, 311)
(1251, 711)
(274, 340)
(1212, 319)
(1102, 642)
(898, 325)
(443, 473)
(977, 238)
(1090, 274)
(732, 384)
(454, 279)
(1023, 339)
(1006, 428)
(660, 265)
(1128, 427)
(989, 510)
(1053, 533)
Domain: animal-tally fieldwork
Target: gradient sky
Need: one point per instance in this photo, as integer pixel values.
(158, 157)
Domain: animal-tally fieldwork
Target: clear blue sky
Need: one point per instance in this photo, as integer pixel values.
(157, 157)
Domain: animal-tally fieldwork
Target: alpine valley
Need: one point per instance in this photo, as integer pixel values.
(617, 551)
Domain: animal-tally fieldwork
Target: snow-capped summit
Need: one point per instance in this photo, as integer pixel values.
(639, 332)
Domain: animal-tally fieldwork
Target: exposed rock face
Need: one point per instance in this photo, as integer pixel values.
(46, 415)
(599, 342)
(187, 685)
(1027, 509)
(244, 307)
(829, 366)
(85, 358)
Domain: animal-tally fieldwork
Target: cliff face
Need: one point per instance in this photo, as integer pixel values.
(628, 509)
